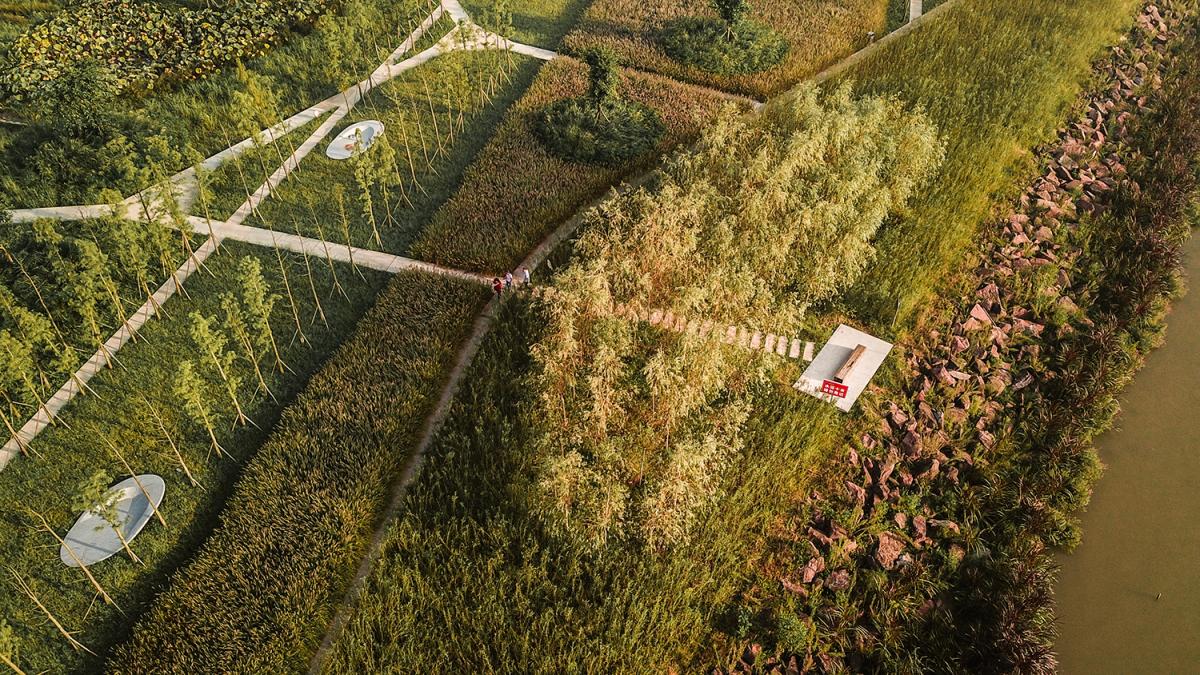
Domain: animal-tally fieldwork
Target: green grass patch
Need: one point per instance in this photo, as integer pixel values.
(436, 118)
(65, 287)
(260, 592)
(816, 34)
(201, 117)
(541, 23)
(75, 449)
(972, 69)
(516, 192)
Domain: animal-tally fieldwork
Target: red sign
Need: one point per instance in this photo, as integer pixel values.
(834, 388)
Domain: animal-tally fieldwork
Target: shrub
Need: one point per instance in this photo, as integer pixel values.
(732, 45)
(142, 42)
(600, 127)
(575, 131)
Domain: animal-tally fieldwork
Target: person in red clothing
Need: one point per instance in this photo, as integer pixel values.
(497, 285)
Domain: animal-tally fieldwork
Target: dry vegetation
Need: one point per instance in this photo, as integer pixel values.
(819, 33)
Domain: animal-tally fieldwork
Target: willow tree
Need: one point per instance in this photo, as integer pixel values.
(95, 496)
(766, 217)
(193, 395)
(212, 343)
(9, 648)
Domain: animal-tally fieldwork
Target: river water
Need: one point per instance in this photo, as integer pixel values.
(1141, 533)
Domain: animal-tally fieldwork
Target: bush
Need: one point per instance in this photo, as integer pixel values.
(575, 130)
(599, 127)
(716, 47)
(142, 42)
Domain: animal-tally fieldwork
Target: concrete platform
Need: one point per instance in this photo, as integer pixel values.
(831, 358)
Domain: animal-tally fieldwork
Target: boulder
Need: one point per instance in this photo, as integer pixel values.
(888, 549)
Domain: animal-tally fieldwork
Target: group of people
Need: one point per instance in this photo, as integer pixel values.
(499, 286)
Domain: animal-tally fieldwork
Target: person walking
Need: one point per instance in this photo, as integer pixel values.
(525, 274)
(497, 286)
(508, 279)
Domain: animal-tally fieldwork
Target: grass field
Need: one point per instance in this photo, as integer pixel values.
(72, 451)
(541, 23)
(202, 116)
(438, 116)
(470, 582)
(304, 508)
(818, 32)
(516, 192)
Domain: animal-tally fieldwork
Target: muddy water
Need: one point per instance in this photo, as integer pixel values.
(1141, 534)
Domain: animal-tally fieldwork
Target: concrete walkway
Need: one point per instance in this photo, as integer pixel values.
(319, 248)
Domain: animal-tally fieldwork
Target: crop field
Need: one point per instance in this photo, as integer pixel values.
(516, 191)
(128, 404)
(304, 507)
(436, 118)
(818, 33)
(467, 565)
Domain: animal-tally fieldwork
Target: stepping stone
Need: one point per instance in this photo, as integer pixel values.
(781, 346)
(756, 341)
(680, 324)
(743, 338)
(668, 320)
(706, 328)
(730, 335)
(656, 317)
(770, 346)
(795, 351)
(808, 351)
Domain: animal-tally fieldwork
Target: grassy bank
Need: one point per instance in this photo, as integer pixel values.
(122, 411)
(516, 191)
(465, 566)
(817, 33)
(304, 508)
(973, 71)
